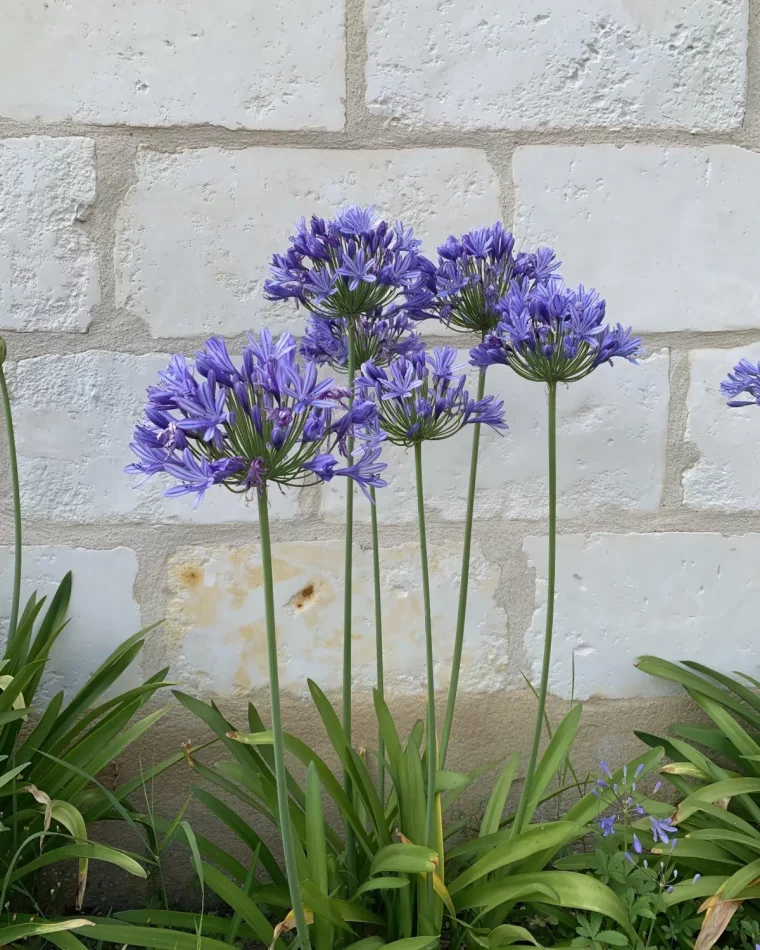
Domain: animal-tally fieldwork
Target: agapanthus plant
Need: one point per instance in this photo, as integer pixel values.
(380, 338)
(551, 334)
(353, 271)
(473, 274)
(268, 419)
(423, 398)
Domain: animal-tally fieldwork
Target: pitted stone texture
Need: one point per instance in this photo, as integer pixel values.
(611, 444)
(75, 417)
(197, 231)
(102, 612)
(216, 616)
(235, 63)
(724, 476)
(604, 208)
(527, 65)
(48, 265)
(624, 596)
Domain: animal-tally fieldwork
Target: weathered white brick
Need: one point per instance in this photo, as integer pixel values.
(612, 430)
(622, 596)
(137, 62)
(604, 209)
(75, 417)
(197, 231)
(48, 265)
(724, 476)
(528, 65)
(102, 612)
(216, 600)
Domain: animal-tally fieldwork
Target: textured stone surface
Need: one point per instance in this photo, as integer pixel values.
(48, 265)
(216, 597)
(197, 231)
(527, 65)
(103, 611)
(611, 452)
(75, 416)
(604, 209)
(622, 596)
(724, 476)
(137, 62)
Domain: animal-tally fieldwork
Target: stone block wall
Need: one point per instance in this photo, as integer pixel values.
(153, 156)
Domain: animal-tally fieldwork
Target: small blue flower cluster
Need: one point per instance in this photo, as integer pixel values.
(422, 397)
(379, 338)
(355, 264)
(629, 810)
(474, 272)
(550, 333)
(269, 419)
(745, 380)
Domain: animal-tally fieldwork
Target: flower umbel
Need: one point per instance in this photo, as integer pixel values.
(268, 420)
(473, 274)
(743, 381)
(377, 338)
(422, 397)
(354, 264)
(551, 333)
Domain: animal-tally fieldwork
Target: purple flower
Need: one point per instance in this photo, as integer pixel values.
(551, 333)
(269, 420)
(355, 265)
(607, 825)
(637, 844)
(421, 398)
(662, 828)
(743, 381)
(474, 272)
(377, 337)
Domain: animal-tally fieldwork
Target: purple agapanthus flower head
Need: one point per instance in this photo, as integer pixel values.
(552, 333)
(744, 381)
(355, 264)
(378, 337)
(473, 273)
(423, 397)
(266, 419)
(662, 829)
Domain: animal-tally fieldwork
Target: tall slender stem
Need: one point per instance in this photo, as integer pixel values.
(430, 745)
(286, 830)
(464, 582)
(351, 856)
(527, 792)
(15, 488)
(378, 639)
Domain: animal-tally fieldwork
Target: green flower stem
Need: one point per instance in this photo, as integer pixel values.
(430, 746)
(16, 597)
(378, 640)
(351, 855)
(464, 582)
(525, 797)
(286, 830)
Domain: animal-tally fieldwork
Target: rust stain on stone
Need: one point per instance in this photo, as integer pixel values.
(249, 640)
(190, 576)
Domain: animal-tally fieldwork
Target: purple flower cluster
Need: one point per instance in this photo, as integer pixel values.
(379, 338)
(269, 419)
(551, 333)
(474, 272)
(354, 264)
(744, 381)
(422, 397)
